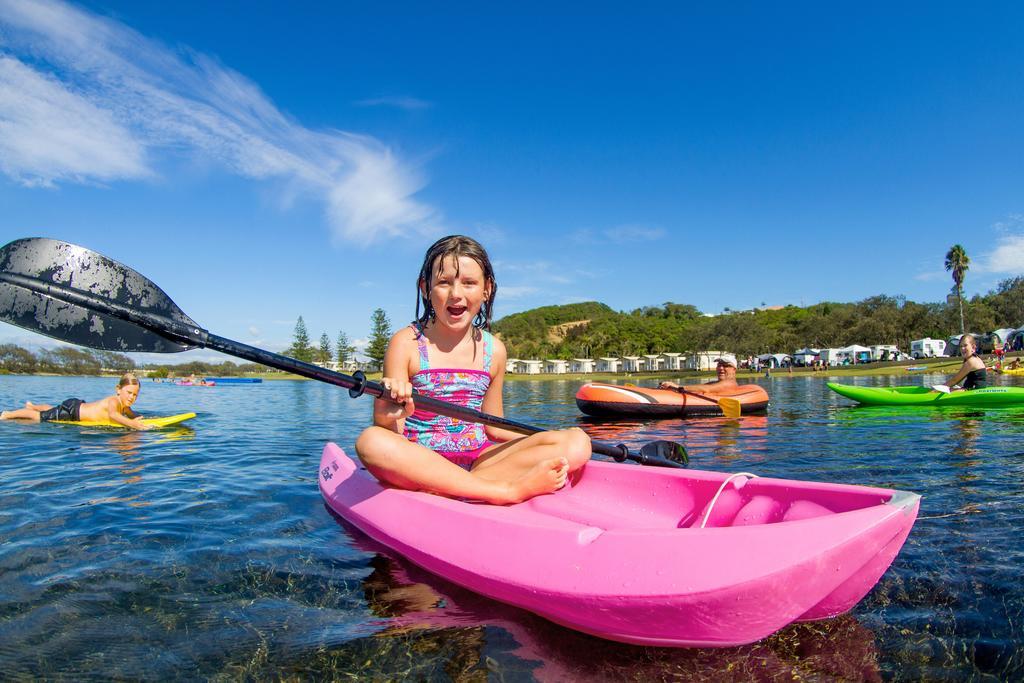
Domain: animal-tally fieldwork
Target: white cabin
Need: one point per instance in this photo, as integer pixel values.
(632, 364)
(556, 367)
(672, 360)
(927, 348)
(581, 365)
(528, 367)
(704, 360)
(653, 362)
(511, 364)
(608, 364)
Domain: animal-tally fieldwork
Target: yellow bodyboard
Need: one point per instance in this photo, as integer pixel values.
(1015, 373)
(156, 422)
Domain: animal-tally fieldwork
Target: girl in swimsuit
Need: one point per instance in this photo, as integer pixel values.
(972, 372)
(116, 408)
(448, 353)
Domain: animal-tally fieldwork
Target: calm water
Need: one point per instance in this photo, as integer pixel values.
(206, 552)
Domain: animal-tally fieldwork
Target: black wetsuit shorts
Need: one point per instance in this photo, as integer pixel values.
(65, 412)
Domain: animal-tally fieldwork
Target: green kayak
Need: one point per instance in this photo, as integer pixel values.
(990, 397)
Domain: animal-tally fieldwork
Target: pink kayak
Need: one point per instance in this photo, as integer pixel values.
(622, 553)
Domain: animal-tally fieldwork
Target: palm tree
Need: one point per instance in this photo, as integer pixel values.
(958, 262)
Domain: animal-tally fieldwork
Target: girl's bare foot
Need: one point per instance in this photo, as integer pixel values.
(547, 476)
(30, 405)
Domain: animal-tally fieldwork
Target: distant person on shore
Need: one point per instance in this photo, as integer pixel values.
(972, 371)
(725, 369)
(116, 408)
(448, 353)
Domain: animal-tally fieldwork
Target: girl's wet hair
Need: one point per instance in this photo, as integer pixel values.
(126, 379)
(455, 246)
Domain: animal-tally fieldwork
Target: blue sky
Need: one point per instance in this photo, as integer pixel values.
(259, 162)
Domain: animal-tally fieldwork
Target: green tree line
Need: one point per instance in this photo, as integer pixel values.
(560, 331)
(324, 352)
(66, 360)
(76, 361)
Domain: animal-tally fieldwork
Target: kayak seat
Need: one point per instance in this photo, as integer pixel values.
(723, 513)
(804, 509)
(733, 508)
(759, 510)
(599, 512)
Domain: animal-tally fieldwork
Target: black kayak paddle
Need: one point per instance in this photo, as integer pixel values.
(79, 296)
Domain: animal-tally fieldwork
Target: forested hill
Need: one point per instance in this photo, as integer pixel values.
(592, 329)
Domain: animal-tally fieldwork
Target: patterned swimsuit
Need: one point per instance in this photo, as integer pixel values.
(457, 440)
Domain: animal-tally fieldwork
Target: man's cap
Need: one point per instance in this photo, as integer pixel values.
(728, 359)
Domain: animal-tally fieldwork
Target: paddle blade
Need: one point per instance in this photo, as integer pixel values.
(941, 388)
(666, 450)
(47, 286)
(731, 407)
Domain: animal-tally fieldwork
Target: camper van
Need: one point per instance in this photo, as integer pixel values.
(927, 348)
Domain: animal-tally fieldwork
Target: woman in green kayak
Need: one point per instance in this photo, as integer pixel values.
(972, 372)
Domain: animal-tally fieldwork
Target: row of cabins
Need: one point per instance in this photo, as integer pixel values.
(651, 362)
(705, 360)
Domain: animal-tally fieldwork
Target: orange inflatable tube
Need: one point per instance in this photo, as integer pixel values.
(607, 400)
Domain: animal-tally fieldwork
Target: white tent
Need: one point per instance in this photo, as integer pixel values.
(855, 353)
(805, 356)
(1000, 336)
(775, 360)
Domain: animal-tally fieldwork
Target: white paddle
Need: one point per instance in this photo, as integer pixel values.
(941, 388)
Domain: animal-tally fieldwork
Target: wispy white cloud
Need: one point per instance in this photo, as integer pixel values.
(1013, 222)
(86, 99)
(50, 134)
(618, 234)
(634, 233)
(582, 236)
(400, 102)
(931, 275)
(517, 292)
(544, 271)
(489, 233)
(1006, 259)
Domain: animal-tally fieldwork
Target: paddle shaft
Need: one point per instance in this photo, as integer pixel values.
(357, 385)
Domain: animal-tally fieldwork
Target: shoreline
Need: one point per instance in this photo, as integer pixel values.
(931, 365)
